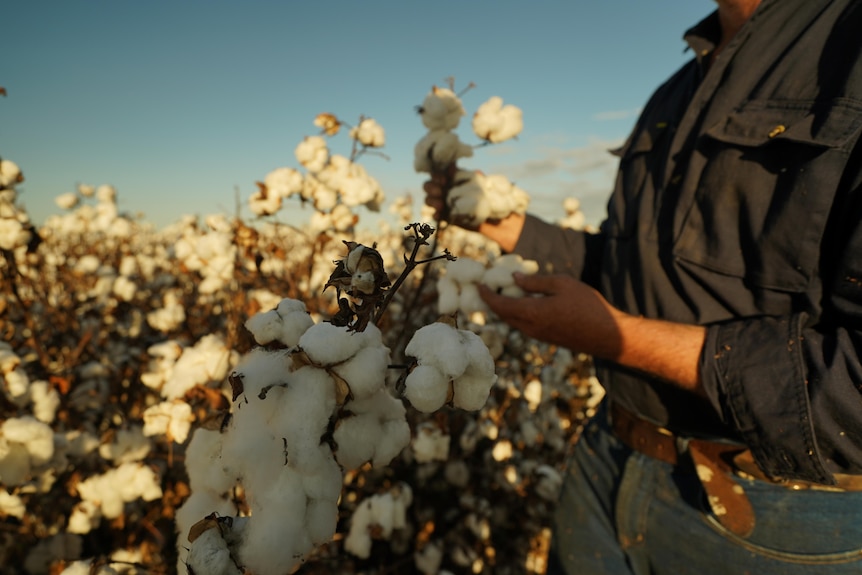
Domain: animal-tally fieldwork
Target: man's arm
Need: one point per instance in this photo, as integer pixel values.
(570, 313)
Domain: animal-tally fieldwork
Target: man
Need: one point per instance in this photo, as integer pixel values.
(722, 302)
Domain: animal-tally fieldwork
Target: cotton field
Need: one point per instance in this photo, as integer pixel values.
(228, 395)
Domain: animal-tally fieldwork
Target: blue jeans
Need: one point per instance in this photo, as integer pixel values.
(622, 512)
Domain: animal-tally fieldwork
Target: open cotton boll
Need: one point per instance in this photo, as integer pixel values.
(11, 505)
(438, 344)
(328, 344)
(369, 133)
(495, 122)
(465, 270)
(203, 463)
(441, 109)
(312, 153)
(86, 516)
(67, 201)
(426, 388)
(264, 202)
(447, 296)
(377, 431)
(430, 443)
(306, 405)
(469, 301)
(321, 519)
(10, 174)
(365, 372)
(276, 539)
(35, 436)
(170, 418)
(283, 182)
(128, 445)
(437, 150)
(468, 203)
(45, 400)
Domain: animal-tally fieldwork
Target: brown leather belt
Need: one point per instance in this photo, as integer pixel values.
(718, 465)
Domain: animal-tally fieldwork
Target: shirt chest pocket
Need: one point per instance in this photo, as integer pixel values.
(764, 195)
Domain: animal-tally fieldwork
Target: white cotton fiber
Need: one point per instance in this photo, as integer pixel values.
(426, 388)
(365, 372)
(437, 344)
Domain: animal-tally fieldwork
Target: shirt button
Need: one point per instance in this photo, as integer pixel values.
(779, 129)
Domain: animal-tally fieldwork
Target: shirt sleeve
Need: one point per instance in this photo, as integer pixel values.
(561, 250)
(792, 386)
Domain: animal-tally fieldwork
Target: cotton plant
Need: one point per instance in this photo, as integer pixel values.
(16, 231)
(472, 197)
(380, 514)
(333, 184)
(310, 401)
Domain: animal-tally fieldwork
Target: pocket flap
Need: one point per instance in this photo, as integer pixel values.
(757, 122)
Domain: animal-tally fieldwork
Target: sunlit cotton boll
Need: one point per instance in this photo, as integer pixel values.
(286, 323)
(284, 182)
(369, 133)
(66, 201)
(439, 345)
(499, 277)
(441, 109)
(170, 418)
(264, 202)
(10, 174)
(497, 123)
(437, 150)
(430, 443)
(373, 429)
(328, 344)
(13, 234)
(312, 153)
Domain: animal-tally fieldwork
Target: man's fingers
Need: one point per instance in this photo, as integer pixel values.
(535, 283)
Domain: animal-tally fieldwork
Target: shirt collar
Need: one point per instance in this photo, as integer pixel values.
(704, 36)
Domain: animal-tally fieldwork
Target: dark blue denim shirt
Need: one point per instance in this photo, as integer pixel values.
(738, 206)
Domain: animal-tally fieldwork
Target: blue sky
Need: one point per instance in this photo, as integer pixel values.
(181, 104)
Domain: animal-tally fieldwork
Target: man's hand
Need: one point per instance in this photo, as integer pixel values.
(561, 310)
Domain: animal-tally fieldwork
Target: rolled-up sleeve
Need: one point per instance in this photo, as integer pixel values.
(561, 250)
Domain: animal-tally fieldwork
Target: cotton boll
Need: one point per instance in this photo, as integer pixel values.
(467, 202)
(265, 327)
(457, 473)
(447, 296)
(439, 345)
(86, 516)
(106, 193)
(365, 372)
(356, 436)
(124, 288)
(312, 153)
(170, 418)
(471, 391)
(469, 300)
(45, 401)
(437, 150)
(465, 270)
(275, 538)
(497, 123)
(429, 558)
(35, 436)
(323, 480)
(10, 174)
(88, 567)
(441, 109)
(321, 518)
(430, 443)
(264, 202)
(358, 541)
(128, 445)
(283, 182)
(305, 408)
(11, 505)
(204, 463)
(426, 388)
(17, 386)
(368, 133)
(66, 201)
(328, 344)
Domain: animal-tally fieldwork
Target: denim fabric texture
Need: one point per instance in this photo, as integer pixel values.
(622, 512)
